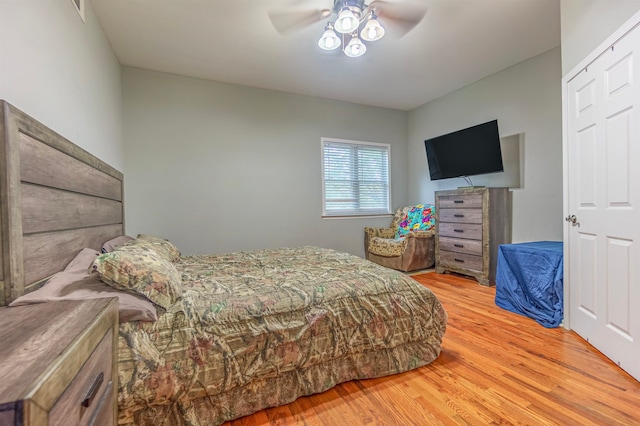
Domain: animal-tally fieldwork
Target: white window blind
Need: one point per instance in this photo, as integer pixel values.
(355, 178)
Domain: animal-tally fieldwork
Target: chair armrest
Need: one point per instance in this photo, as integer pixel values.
(370, 232)
(380, 232)
(421, 234)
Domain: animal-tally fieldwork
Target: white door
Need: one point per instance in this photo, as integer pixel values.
(603, 158)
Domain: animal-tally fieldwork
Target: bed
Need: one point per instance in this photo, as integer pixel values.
(239, 332)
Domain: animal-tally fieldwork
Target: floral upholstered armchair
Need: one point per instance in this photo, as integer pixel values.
(408, 244)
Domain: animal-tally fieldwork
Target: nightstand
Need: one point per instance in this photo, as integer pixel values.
(58, 363)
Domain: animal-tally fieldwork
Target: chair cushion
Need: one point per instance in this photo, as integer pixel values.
(387, 247)
(417, 218)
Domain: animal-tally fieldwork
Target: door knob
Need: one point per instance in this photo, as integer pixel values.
(573, 219)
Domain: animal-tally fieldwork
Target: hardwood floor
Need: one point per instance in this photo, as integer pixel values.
(496, 367)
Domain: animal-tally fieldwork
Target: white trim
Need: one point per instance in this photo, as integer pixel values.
(348, 141)
(624, 29)
(79, 6)
(565, 204)
(323, 139)
(360, 216)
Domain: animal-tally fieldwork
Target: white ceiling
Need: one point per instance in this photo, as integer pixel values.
(233, 41)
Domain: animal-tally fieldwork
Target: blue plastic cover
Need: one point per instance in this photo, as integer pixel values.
(529, 280)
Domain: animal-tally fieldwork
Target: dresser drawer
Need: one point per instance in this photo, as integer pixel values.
(460, 245)
(460, 260)
(84, 394)
(460, 215)
(464, 201)
(460, 230)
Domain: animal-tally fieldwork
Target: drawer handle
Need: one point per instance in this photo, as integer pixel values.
(459, 260)
(458, 230)
(459, 245)
(458, 201)
(458, 215)
(93, 391)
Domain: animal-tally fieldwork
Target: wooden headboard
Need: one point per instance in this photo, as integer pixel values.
(55, 199)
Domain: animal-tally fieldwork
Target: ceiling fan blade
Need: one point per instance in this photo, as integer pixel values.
(402, 16)
(286, 22)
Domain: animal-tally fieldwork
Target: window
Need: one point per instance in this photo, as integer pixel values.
(355, 178)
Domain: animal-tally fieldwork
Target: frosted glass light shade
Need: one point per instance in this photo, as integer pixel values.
(329, 39)
(372, 31)
(355, 48)
(347, 21)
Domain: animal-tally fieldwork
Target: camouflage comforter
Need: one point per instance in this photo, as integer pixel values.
(259, 329)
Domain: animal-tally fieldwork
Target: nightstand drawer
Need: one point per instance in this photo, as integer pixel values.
(460, 230)
(104, 414)
(464, 201)
(460, 260)
(460, 215)
(52, 356)
(83, 396)
(460, 245)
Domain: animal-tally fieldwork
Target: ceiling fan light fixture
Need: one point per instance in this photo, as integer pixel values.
(329, 40)
(355, 47)
(347, 21)
(372, 30)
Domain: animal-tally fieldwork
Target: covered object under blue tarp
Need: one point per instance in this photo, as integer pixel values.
(529, 280)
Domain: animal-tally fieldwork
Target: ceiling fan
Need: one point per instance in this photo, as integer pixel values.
(354, 20)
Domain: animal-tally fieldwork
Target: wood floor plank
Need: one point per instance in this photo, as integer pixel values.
(358, 402)
(304, 412)
(331, 409)
(496, 367)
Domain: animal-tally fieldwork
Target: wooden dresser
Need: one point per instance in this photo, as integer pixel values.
(58, 363)
(471, 224)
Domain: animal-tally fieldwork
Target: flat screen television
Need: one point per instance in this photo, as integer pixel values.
(467, 152)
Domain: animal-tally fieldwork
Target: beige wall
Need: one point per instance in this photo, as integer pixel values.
(195, 149)
(526, 100)
(217, 167)
(587, 23)
(62, 72)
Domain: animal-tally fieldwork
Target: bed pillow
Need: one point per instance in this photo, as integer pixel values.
(115, 242)
(76, 282)
(163, 247)
(139, 269)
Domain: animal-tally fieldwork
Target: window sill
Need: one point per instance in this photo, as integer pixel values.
(357, 216)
